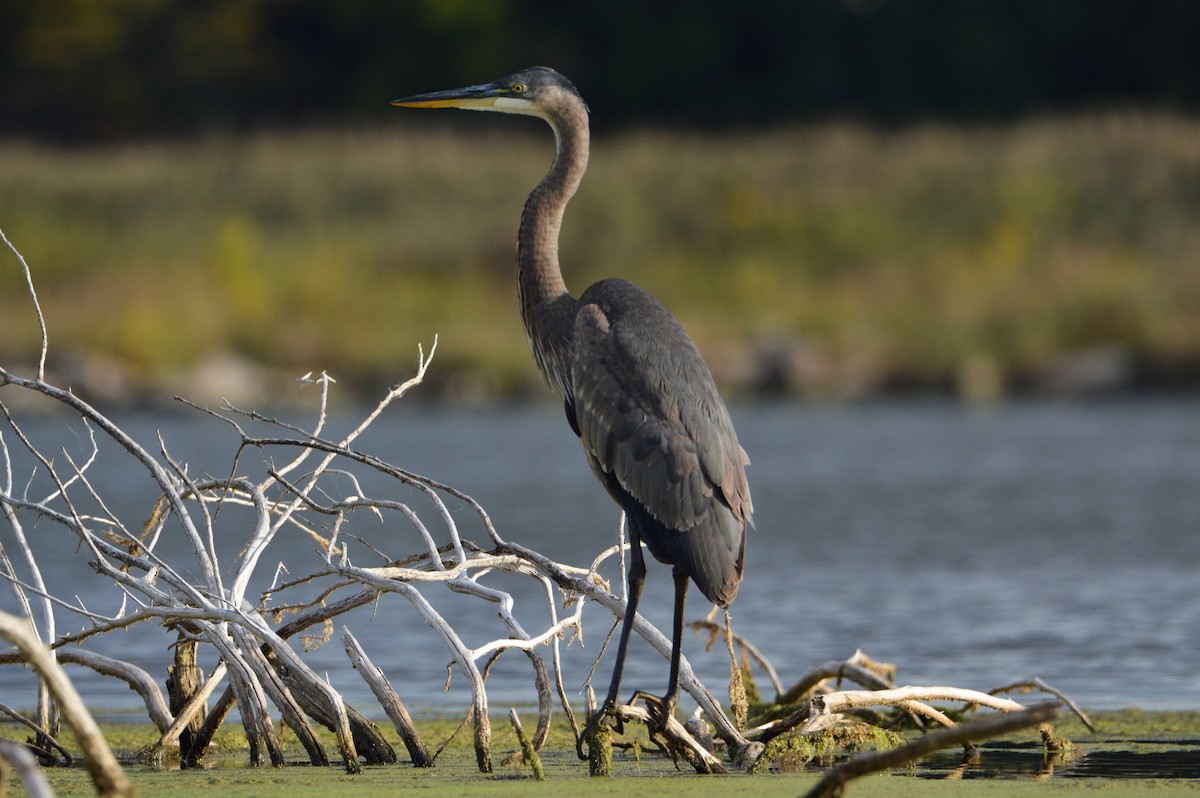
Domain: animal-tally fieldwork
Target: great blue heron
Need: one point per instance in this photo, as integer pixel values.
(637, 392)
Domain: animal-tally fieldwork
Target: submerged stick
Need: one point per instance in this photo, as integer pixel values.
(389, 700)
(185, 678)
(598, 741)
(195, 708)
(212, 722)
(527, 749)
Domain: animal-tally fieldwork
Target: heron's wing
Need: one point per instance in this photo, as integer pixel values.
(648, 412)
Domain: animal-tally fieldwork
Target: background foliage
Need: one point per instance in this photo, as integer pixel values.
(79, 70)
(835, 197)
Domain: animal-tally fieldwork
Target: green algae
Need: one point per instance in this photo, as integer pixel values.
(1015, 765)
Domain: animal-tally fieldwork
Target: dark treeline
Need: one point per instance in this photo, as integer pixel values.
(77, 70)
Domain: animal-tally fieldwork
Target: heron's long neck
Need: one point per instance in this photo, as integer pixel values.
(547, 309)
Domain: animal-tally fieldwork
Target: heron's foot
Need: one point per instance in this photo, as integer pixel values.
(661, 709)
(595, 723)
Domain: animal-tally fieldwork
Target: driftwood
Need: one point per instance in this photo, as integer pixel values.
(1028, 685)
(309, 484)
(22, 761)
(258, 666)
(185, 679)
(598, 742)
(823, 710)
(834, 781)
(107, 776)
(138, 680)
(391, 703)
(212, 722)
(192, 715)
(43, 739)
(676, 739)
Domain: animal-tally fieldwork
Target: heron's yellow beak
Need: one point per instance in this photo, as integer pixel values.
(447, 102)
(498, 96)
(482, 96)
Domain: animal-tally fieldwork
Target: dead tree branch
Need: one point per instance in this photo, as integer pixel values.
(1035, 683)
(189, 561)
(107, 775)
(391, 703)
(23, 762)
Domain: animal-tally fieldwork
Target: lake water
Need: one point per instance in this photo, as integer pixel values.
(970, 547)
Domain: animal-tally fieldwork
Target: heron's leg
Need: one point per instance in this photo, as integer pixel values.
(663, 708)
(637, 578)
(672, 697)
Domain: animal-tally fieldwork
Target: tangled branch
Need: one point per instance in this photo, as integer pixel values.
(401, 539)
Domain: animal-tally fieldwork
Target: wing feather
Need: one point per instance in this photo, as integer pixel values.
(650, 418)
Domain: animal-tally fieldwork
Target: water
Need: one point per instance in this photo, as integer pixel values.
(1009, 762)
(972, 548)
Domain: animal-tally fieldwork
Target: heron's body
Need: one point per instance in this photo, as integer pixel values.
(668, 454)
(637, 392)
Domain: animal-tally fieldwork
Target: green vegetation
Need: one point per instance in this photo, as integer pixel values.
(886, 258)
(1132, 731)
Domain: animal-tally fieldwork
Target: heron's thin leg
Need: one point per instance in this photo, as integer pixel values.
(672, 697)
(663, 708)
(637, 577)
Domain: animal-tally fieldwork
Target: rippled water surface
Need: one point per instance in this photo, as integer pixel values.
(972, 548)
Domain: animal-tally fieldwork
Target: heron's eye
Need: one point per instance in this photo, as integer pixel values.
(517, 88)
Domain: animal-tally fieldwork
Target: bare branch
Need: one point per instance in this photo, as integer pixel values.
(1037, 684)
(678, 739)
(23, 762)
(230, 527)
(170, 736)
(106, 774)
(390, 702)
(37, 308)
(138, 680)
(41, 732)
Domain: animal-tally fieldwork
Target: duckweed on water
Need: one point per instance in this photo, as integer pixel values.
(1133, 753)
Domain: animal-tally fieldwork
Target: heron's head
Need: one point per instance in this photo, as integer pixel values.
(537, 91)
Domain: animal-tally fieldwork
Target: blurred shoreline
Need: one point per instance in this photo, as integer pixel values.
(772, 373)
(1049, 257)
